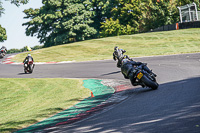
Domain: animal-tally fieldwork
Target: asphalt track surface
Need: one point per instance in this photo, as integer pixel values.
(173, 108)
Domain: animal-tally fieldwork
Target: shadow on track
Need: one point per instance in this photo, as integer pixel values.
(111, 73)
(174, 107)
(23, 73)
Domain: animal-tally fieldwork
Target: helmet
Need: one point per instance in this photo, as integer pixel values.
(124, 61)
(29, 54)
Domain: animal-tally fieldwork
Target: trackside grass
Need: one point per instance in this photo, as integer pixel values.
(146, 44)
(27, 101)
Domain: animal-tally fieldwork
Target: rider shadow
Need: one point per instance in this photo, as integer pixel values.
(136, 90)
(110, 73)
(23, 73)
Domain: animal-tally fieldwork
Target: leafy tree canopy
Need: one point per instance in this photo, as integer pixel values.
(3, 35)
(60, 21)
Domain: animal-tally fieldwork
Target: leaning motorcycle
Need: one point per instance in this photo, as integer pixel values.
(28, 67)
(140, 76)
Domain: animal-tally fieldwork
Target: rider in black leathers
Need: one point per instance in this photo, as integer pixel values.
(27, 59)
(127, 65)
(4, 49)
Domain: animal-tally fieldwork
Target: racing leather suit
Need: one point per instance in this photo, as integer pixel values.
(27, 59)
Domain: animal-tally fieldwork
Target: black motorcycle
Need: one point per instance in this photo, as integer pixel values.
(140, 76)
(28, 67)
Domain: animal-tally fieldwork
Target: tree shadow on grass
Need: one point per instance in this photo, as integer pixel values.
(68, 114)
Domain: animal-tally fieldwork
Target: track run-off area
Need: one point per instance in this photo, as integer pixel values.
(173, 107)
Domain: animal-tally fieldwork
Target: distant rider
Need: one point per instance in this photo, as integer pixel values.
(27, 59)
(4, 49)
(127, 65)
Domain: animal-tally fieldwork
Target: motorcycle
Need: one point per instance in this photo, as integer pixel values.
(28, 67)
(140, 75)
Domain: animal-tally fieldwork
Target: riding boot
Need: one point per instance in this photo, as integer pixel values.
(149, 71)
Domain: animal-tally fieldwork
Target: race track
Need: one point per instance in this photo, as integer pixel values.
(174, 107)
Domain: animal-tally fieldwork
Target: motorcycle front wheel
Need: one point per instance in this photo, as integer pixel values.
(30, 68)
(25, 70)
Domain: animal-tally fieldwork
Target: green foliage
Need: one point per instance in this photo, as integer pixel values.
(18, 2)
(10, 51)
(3, 35)
(125, 18)
(60, 21)
(14, 50)
(37, 47)
(101, 11)
(128, 12)
(114, 28)
(143, 16)
(1, 8)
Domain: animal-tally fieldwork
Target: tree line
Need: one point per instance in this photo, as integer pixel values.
(24, 49)
(64, 21)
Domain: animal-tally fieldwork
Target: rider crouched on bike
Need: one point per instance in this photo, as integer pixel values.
(4, 49)
(127, 65)
(27, 59)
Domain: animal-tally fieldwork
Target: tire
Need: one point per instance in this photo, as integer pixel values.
(25, 70)
(1, 56)
(149, 82)
(30, 68)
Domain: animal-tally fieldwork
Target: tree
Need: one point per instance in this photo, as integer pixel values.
(3, 35)
(114, 28)
(158, 13)
(124, 19)
(101, 11)
(1, 8)
(60, 21)
(128, 12)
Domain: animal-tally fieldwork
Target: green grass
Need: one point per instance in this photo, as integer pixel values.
(147, 44)
(27, 101)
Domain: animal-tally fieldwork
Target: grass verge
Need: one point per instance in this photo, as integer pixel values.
(27, 101)
(147, 44)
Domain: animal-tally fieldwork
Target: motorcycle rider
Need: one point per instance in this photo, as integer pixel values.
(4, 49)
(127, 65)
(118, 55)
(27, 59)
